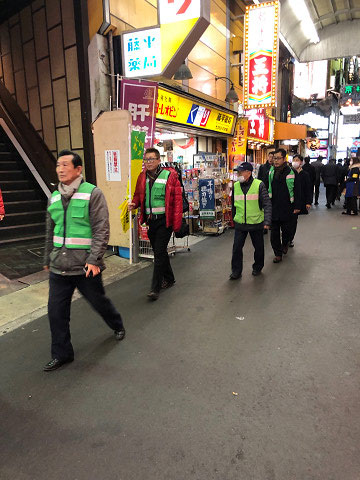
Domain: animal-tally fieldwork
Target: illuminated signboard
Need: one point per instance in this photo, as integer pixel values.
(261, 126)
(162, 49)
(261, 54)
(175, 108)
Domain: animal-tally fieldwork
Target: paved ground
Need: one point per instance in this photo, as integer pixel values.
(250, 380)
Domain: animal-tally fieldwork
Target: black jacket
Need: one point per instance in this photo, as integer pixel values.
(264, 204)
(282, 208)
(317, 167)
(307, 190)
(329, 174)
(310, 170)
(263, 173)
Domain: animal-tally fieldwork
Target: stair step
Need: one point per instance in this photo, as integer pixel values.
(11, 174)
(7, 165)
(11, 185)
(23, 218)
(18, 195)
(21, 239)
(7, 155)
(21, 231)
(24, 206)
(5, 147)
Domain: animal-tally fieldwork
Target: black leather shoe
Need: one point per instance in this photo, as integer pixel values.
(55, 363)
(166, 284)
(291, 244)
(256, 273)
(153, 295)
(119, 335)
(277, 260)
(285, 249)
(234, 276)
(328, 205)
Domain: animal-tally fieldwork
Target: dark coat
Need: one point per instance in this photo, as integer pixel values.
(329, 174)
(317, 166)
(310, 170)
(282, 208)
(263, 173)
(307, 190)
(352, 182)
(264, 204)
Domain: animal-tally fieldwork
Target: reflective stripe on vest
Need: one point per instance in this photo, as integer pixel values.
(247, 206)
(155, 201)
(76, 231)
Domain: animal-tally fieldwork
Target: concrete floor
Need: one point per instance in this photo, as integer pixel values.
(250, 380)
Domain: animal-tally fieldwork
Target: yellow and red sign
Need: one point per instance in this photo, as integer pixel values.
(172, 107)
(237, 145)
(261, 54)
(261, 126)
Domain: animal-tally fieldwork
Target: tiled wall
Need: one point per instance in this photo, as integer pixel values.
(38, 65)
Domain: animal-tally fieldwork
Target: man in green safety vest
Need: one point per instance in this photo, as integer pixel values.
(77, 234)
(251, 208)
(285, 194)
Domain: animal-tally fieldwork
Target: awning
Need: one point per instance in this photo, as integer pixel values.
(289, 131)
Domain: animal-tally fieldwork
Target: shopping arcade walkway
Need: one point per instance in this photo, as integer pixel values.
(161, 405)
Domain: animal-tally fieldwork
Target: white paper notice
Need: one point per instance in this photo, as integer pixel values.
(112, 165)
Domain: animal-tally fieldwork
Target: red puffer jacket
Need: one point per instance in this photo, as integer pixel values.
(173, 199)
(2, 209)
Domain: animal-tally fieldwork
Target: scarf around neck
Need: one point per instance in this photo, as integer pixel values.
(67, 191)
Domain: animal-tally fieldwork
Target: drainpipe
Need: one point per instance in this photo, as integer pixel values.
(112, 69)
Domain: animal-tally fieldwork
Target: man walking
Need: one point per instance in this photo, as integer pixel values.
(159, 195)
(317, 179)
(263, 173)
(329, 174)
(285, 194)
(251, 208)
(77, 234)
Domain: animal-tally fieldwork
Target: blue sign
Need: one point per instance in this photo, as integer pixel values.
(193, 112)
(207, 198)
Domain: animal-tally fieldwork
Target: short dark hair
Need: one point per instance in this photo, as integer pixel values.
(271, 153)
(300, 157)
(153, 150)
(282, 151)
(307, 159)
(76, 160)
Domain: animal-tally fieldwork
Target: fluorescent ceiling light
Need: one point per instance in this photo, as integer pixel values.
(301, 12)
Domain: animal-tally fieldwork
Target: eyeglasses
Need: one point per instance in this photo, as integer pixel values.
(150, 159)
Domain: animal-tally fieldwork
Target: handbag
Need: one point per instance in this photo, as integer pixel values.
(184, 230)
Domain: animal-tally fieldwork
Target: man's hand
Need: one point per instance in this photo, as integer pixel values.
(2, 217)
(308, 206)
(46, 268)
(296, 211)
(266, 227)
(131, 206)
(94, 269)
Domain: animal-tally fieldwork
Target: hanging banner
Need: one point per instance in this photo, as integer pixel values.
(260, 126)
(237, 145)
(261, 54)
(207, 198)
(140, 99)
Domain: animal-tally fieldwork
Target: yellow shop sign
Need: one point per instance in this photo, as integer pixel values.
(185, 111)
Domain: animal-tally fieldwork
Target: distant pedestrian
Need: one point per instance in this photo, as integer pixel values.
(329, 174)
(310, 170)
(251, 207)
(306, 194)
(352, 187)
(340, 179)
(77, 235)
(2, 208)
(345, 171)
(263, 173)
(158, 193)
(285, 194)
(317, 179)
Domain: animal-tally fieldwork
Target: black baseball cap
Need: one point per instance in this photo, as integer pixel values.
(245, 166)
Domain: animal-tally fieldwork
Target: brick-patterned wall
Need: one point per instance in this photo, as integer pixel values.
(38, 65)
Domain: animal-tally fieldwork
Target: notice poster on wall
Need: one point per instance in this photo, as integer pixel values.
(112, 165)
(207, 198)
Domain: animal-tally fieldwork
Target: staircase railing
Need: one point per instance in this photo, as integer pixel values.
(30, 141)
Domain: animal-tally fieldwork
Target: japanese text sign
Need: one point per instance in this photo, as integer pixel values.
(112, 165)
(261, 54)
(139, 98)
(261, 126)
(142, 53)
(178, 109)
(207, 198)
(350, 94)
(237, 145)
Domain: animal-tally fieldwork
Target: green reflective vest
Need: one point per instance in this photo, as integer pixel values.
(74, 229)
(155, 203)
(247, 206)
(290, 179)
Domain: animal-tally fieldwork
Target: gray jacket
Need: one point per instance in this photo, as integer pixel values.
(264, 204)
(68, 261)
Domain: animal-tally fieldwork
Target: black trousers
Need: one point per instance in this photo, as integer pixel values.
(331, 191)
(293, 226)
(257, 238)
(351, 205)
(317, 192)
(61, 290)
(159, 236)
(280, 236)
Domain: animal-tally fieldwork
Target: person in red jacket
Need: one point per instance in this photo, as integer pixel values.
(158, 193)
(2, 209)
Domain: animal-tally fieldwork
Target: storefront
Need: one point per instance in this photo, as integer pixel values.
(261, 127)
